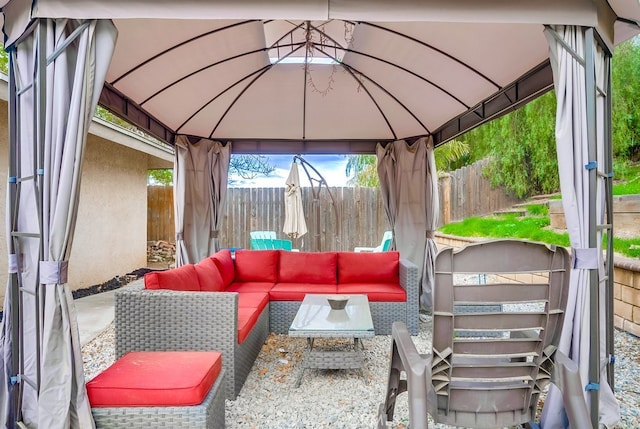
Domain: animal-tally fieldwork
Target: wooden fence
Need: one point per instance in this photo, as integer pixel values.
(466, 192)
(357, 219)
(160, 216)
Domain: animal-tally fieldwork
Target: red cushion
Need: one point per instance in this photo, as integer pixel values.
(209, 276)
(256, 266)
(297, 291)
(308, 267)
(247, 318)
(376, 292)
(253, 300)
(149, 379)
(379, 267)
(225, 265)
(183, 278)
(263, 287)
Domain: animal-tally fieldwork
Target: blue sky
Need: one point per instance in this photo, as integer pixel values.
(332, 168)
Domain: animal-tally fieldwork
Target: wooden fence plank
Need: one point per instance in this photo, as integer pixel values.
(360, 211)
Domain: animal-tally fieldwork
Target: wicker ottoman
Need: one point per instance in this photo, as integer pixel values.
(160, 389)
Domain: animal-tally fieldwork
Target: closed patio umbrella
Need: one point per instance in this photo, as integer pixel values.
(294, 223)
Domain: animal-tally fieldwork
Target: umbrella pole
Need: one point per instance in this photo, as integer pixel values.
(316, 198)
(316, 210)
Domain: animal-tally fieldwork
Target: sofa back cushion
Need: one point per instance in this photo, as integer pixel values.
(209, 276)
(308, 267)
(256, 266)
(183, 278)
(225, 265)
(361, 267)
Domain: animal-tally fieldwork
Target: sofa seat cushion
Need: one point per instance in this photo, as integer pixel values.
(376, 292)
(141, 379)
(256, 266)
(297, 291)
(209, 276)
(183, 278)
(257, 300)
(308, 267)
(225, 265)
(357, 267)
(247, 318)
(250, 287)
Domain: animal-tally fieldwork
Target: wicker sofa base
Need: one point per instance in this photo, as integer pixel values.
(208, 415)
(164, 320)
(248, 351)
(383, 314)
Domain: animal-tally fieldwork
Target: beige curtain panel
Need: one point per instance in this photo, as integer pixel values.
(201, 172)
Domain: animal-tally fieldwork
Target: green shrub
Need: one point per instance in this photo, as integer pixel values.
(538, 210)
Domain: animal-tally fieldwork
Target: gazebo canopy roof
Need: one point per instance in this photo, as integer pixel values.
(327, 76)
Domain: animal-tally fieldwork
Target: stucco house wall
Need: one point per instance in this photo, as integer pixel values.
(111, 229)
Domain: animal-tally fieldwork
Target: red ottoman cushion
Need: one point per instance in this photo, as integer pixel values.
(156, 379)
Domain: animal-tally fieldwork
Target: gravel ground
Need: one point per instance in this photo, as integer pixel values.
(345, 398)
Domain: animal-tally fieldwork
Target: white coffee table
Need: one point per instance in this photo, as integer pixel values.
(316, 319)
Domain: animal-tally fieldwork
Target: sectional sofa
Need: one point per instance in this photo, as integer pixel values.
(230, 304)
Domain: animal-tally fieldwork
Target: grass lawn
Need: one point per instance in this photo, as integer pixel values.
(628, 188)
(534, 225)
(530, 227)
(627, 177)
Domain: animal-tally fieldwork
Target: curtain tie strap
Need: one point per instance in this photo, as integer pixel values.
(53, 272)
(585, 258)
(213, 234)
(13, 263)
(430, 234)
(179, 236)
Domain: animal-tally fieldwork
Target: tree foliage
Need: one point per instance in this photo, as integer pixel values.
(245, 166)
(522, 143)
(103, 113)
(451, 155)
(625, 81)
(4, 61)
(522, 148)
(362, 169)
(160, 177)
(250, 166)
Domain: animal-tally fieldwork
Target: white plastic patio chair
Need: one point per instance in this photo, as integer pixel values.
(385, 244)
(491, 381)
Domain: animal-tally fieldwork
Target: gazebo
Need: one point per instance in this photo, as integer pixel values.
(315, 76)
